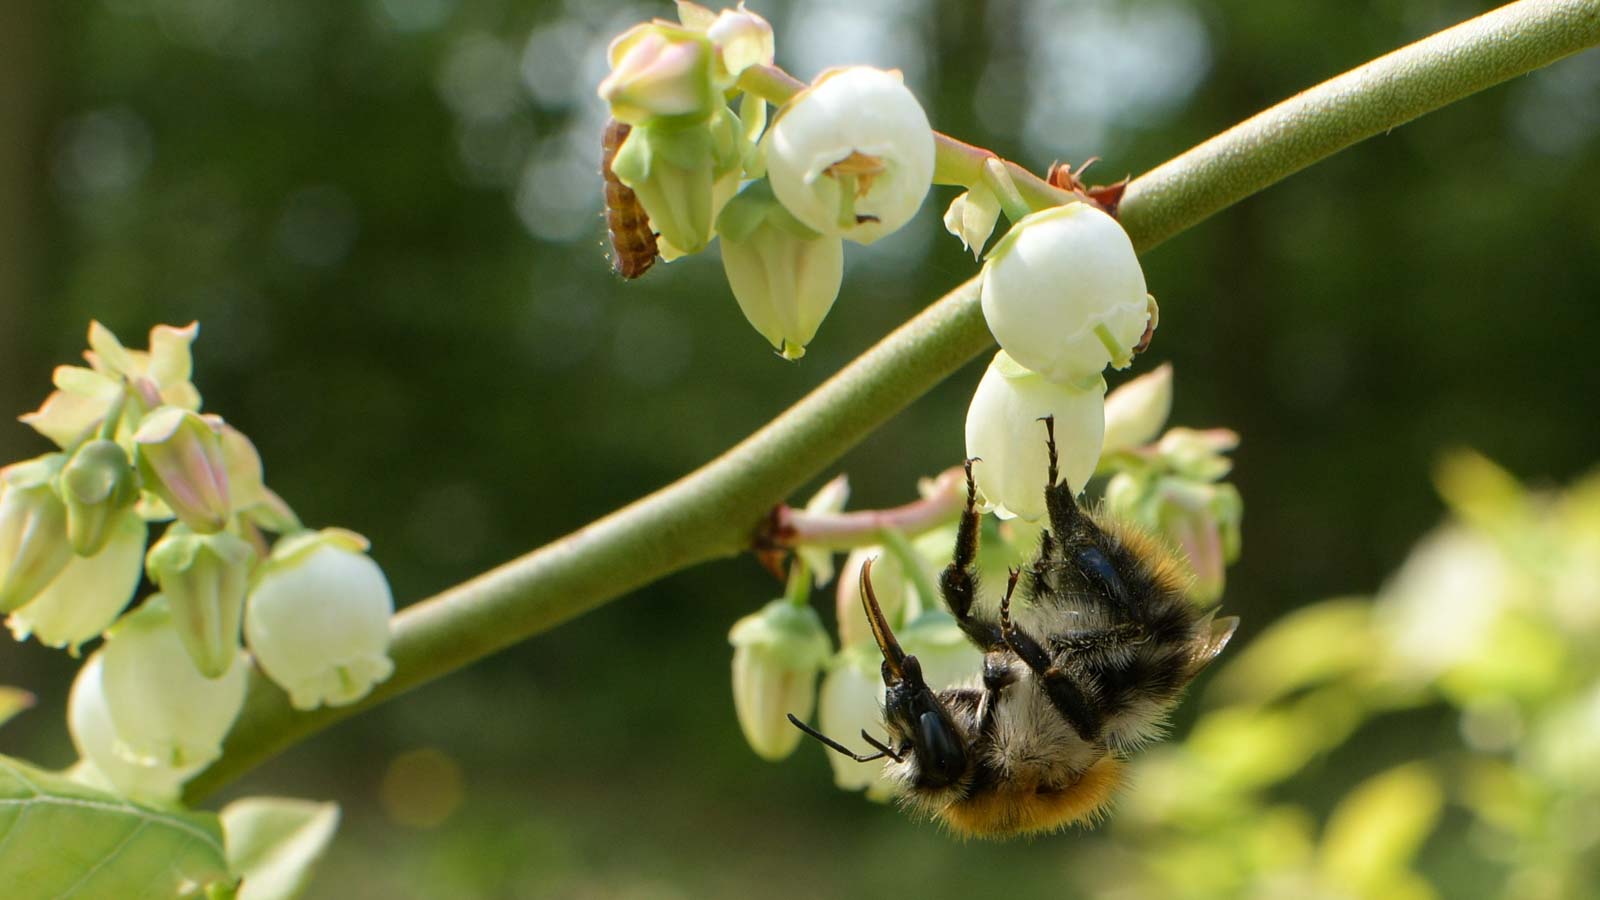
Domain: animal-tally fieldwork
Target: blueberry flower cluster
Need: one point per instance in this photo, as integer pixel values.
(850, 157)
(232, 565)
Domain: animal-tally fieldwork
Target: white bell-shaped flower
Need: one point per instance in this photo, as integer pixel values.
(777, 653)
(317, 619)
(947, 655)
(851, 701)
(1064, 295)
(1005, 434)
(852, 155)
(164, 711)
(95, 738)
(90, 592)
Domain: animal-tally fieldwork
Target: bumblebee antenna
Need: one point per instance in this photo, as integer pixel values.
(881, 747)
(832, 744)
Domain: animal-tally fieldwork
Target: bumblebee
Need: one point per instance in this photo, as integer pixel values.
(1078, 675)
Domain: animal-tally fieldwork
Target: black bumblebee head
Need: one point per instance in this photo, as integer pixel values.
(919, 724)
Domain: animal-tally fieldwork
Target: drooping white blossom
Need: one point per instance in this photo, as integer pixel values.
(1005, 433)
(1064, 295)
(317, 619)
(852, 155)
(784, 280)
(777, 654)
(94, 736)
(164, 711)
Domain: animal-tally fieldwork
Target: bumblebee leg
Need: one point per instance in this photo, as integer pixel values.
(958, 581)
(997, 676)
(1063, 691)
(1065, 517)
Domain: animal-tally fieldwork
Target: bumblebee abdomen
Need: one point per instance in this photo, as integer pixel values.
(1015, 807)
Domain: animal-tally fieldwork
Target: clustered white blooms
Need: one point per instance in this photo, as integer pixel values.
(152, 705)
(1065, 297)
(850, 157)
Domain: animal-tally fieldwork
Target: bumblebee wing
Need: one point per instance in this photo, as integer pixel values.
(1214, 635)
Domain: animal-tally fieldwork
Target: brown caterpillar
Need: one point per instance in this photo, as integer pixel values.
(633, 242)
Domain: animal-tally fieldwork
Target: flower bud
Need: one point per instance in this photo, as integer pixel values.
(90, 592)
(1064, 295)
(318, 619)
(1202, 519)
(85, 396)
(852, 155)
(1197, 454)
(851, 700)
(1136, 410)
(947, 656)
(659, 71)
(181, 460)
(96, 484)
(204, 578)
(743, 39)
(777, 653)
(33, 530)
(785, 281)
(889, 582)
(971, 217)
(683, 176)
(164, 711)
(828, 500)
(95, 738)
(1005, 434)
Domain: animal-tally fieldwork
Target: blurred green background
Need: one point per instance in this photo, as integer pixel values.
(385, 215)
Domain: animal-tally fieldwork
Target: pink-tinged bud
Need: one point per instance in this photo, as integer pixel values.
(205, 578)
(180, 457)
(1137, 410)
(33, 531)
(659, 71)
(743, 39)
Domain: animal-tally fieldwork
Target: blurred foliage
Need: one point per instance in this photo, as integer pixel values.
(385, 214)
(1493, 618)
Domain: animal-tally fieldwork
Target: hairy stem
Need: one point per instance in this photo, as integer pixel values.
(714, 511)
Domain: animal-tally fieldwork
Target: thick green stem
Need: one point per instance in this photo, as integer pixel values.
(714, 511)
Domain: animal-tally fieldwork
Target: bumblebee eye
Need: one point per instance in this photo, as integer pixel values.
(939, 751)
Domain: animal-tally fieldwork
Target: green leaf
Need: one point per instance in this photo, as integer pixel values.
(1377, 828)
(60, 839)
(274, 841)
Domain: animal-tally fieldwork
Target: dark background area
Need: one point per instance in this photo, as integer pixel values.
(385, 216)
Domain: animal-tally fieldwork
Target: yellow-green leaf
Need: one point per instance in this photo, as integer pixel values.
(1378, 827)
(60, 839)
(274, 841)
(13, 701)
